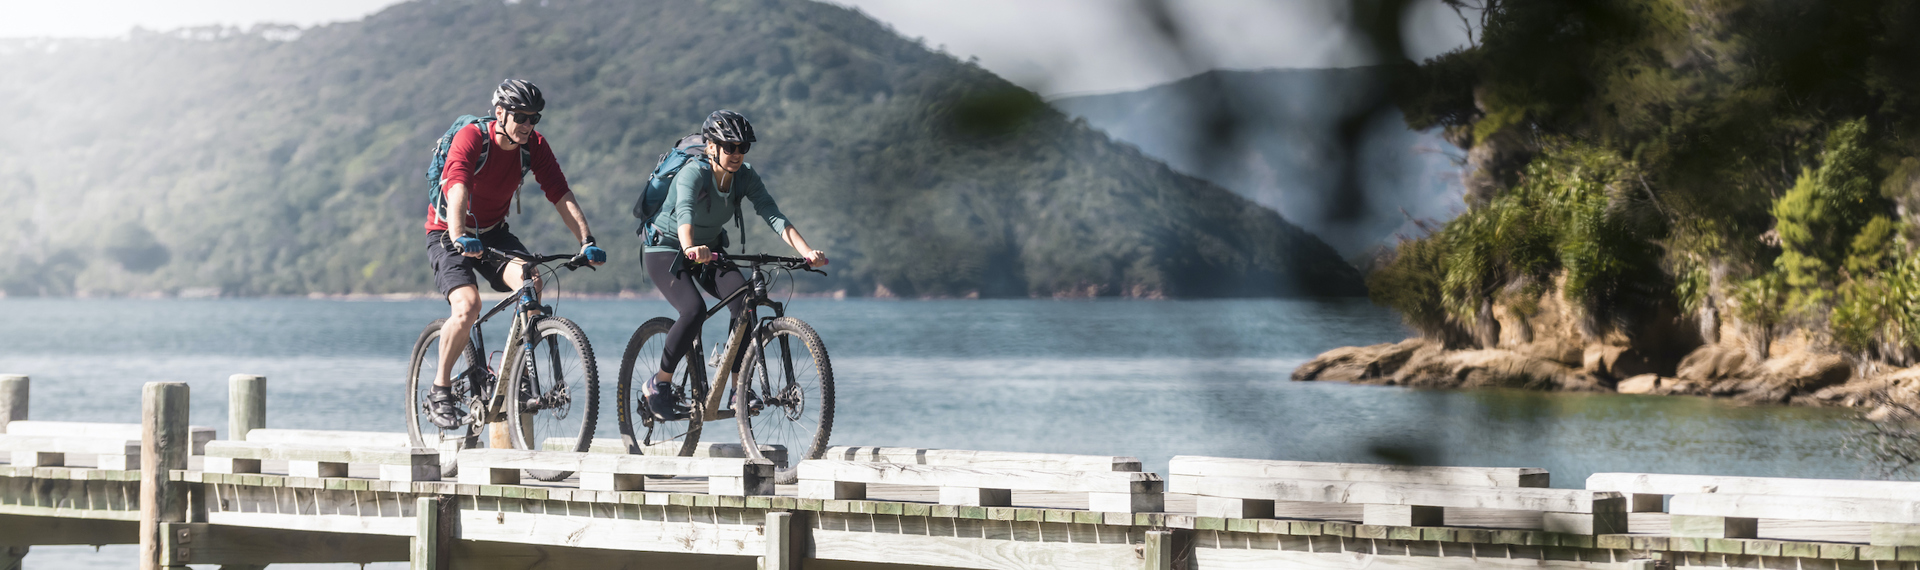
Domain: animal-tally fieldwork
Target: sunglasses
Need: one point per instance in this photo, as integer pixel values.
(734, 148)
(525, 118)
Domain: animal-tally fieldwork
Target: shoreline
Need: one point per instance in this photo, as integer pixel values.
(1797, 376)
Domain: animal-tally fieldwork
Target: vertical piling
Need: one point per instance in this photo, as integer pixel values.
(1159, 550)
(164, 446)
(246, 405)
(13, 399)
(779, 533)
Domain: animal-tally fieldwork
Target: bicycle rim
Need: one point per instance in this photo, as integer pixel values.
(638, 364)
(790, 373)
(552, 404)
(420, 428)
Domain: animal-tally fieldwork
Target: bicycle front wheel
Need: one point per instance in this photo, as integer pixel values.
(643, 434)
(784, 401)
(553, 397)
(425, 363)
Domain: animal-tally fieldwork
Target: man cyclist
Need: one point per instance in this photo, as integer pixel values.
(479, 192)
(689, 228)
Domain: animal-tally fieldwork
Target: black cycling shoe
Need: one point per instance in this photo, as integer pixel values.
(444, 407)
(658, 400)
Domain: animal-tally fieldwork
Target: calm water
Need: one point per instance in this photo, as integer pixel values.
(1151, 379)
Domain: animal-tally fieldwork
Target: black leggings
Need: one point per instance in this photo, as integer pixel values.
(676, 277)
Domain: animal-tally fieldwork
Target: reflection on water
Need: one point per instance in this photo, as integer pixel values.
(1151, 379)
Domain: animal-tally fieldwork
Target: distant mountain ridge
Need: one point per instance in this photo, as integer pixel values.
(1285, 155)
(270, 163)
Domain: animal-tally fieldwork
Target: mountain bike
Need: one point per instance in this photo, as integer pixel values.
(777, 366)
(547, 364)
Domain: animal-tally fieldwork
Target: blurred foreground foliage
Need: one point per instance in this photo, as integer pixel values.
(279, 161)
(1747, 160)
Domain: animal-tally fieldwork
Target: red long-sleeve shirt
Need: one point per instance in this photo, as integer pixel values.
(490, 191)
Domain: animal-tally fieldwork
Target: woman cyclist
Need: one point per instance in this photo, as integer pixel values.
(689, 228)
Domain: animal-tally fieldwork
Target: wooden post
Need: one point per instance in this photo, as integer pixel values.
(164, 446)
(426, 516)
(1159, 550)
(246, 405)
(433, 533)
(12, 557)
(13, 400)
(779, 533)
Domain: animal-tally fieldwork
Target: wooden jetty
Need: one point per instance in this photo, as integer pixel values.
(275, 496)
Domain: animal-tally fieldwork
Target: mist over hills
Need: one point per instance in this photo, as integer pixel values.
(268, 162)
(1284, 152)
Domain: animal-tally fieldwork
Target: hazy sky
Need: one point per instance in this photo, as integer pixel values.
(1052, 46)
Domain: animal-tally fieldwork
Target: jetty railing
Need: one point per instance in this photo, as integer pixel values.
(272, 496)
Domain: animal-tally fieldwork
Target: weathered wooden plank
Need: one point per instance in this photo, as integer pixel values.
(1017, 479)
(340, 438)
(1662, 484)
(984, 459)
(1362, 492)
(688, 536)
(312, 460)
(1251, 559)
(604, 462)
(200, 434)
(349, 522)
(773, 453)
(971, 552)
(229, 546)
(23, 530)
(1359, 472)
(1841, 509)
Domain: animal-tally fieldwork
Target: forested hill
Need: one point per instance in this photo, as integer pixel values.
(283, 161)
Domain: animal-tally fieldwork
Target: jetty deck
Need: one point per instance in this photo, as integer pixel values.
(313, 497)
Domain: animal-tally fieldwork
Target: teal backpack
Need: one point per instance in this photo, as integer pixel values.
(436, 170)
(654, 197)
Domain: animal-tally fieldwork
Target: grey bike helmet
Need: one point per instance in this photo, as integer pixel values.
(519, 95)
(727, 126)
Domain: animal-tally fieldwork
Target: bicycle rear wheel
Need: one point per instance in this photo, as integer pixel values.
(785, 397)
(553, 396)
(641, 361)
(420, 428)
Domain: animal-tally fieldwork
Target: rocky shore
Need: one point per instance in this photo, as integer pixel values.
(1792, 373)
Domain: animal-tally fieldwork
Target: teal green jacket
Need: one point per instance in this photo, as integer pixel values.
(710, 215)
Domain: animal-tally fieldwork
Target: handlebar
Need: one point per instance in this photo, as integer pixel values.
(762, 259)
(575, 260)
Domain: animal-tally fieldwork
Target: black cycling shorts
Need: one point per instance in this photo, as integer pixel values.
(452, 270)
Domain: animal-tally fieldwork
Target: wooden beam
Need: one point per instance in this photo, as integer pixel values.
(1837, 509)
(22, 530)
(743, 537)
(329, 437)
(13, 399)
(975, 553)
(51, 451)
(164, 447)
(1661, 484)
(1016, 479)
(984, 459)
(211, 544)
(246, 405)
(201, 435)
(725, 476)
(1312, 491)
(1360, 472)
